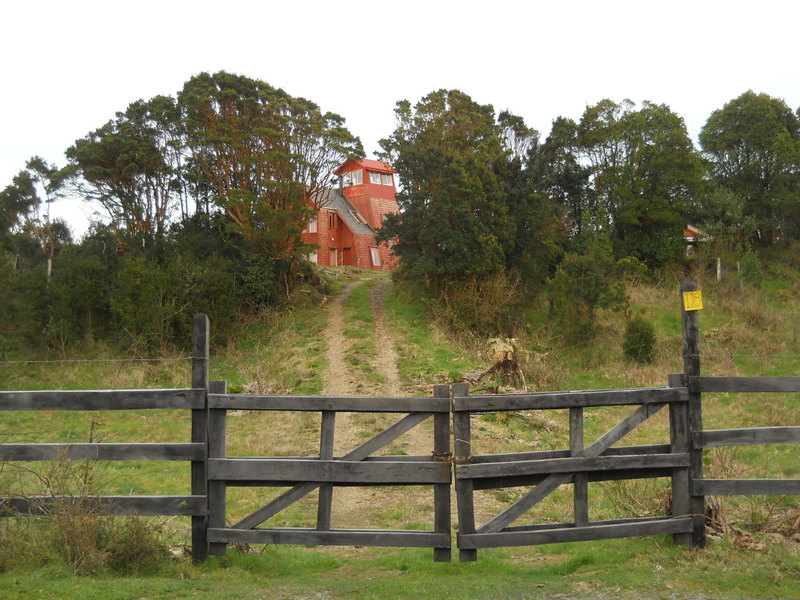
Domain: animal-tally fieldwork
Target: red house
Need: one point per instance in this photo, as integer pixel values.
(350, 215)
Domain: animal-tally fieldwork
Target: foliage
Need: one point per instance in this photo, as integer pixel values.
(130, 167)
(473, 310)
(646, 174)
(264, 157)
(640, 340)
(582, 284)
(74, 530)
(753, 143)
(466, 209)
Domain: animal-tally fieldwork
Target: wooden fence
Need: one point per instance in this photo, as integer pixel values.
(192, 399)
(680, 458)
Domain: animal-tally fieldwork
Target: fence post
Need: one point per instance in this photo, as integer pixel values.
(200, 360)
(441, 491)
(680, 442)
(464, 487)
(691, 368)
(217, 490)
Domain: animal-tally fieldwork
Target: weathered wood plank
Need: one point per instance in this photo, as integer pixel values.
(103, 399)
(571, 465)
(491, 483)
(37, 452)
(108, 505)
(333, 403)
(699, 384)
(328, 471)
(441, 492)
(201, 353)
(544, 455)
(325, 499)
(680, 443)
(464, 487)
(335, 537)
(217, 448)
(575, 534)
(573, 399)
(552, 482)
(746, 437)
(747, 487)
(580, 492)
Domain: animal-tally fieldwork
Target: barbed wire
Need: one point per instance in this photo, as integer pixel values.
(92, 360)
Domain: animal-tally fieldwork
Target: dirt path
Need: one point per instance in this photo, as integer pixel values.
(353, 506)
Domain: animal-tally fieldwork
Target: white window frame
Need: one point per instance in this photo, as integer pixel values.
(312, 225)
(376, 257)
(374, 177)
(386, 179)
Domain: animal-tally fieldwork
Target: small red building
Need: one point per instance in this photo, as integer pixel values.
(350, 215)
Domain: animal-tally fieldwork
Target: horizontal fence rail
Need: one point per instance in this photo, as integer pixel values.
(103, 400)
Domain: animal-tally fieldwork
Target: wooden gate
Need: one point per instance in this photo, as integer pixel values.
(578, 465)
(356, 468)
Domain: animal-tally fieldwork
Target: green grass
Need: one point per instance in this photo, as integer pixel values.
(634, 568)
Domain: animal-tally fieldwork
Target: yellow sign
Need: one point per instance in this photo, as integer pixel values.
(692, 301)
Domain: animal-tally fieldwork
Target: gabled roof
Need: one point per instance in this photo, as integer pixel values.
(372, 165)
(332, 199)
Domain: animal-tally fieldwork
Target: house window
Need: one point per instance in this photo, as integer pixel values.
(312, 225)
(386, 179)
(353, 178)
(376, 258)
(331, 220)
(374, 177)
(312, 258)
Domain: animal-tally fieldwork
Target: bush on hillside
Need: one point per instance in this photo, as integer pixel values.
(640, 340)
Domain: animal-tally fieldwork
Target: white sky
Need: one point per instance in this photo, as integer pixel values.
(68, 67)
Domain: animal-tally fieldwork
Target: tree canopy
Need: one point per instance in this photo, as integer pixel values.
(465, 205)
(753, 143)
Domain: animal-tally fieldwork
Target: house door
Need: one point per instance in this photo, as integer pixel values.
(347, 256)
(333, 258)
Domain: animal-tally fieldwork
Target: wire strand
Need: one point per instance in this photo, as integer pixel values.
(92, 360)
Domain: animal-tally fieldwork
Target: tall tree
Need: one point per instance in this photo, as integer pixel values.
(131, 166)
(753, 143)
(557, 170)
(25, 206)
(262, 156)
(454, 221)
(646, 175)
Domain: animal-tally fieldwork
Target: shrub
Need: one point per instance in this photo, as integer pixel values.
(72, 529)
(640, 340)
(473, 308)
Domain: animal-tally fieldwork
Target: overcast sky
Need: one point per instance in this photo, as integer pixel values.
(68, 67)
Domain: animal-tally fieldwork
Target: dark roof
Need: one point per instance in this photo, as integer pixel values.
(332, 199)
